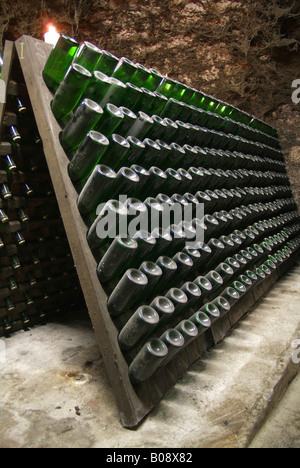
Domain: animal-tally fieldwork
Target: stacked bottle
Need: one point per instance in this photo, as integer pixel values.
(186, 199)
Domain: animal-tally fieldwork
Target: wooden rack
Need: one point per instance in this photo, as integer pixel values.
(46, 273)
(134, 401)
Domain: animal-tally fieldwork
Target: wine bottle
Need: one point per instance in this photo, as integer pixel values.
(84, 119)
(87, 156)
(5, 192)
(97, 189)
(107, 224)
(124, 70)
(147, 361)
(142, 322)
(126, 292)
(174, 341)
(202, 321)
(107, 63)
(59, 61)
(88, 56)
(188, 330)
(3, 217)
(116, 258)
(70, 91)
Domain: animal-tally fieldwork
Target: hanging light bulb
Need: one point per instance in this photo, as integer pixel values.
(51, 36)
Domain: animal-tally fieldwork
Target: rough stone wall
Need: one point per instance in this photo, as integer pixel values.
(245, 52)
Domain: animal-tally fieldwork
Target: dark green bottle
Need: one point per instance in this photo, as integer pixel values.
(179, 299)
(169, 269)
(84, 119)
(124, 70)
(127, 291)
(202, 321)
(145, 101)
(188, 330)
(127, 123)
(131, 96)
(154, 275)
(110, 121)
(153, 80)
(166, 87)
(174, 342)
(136, 149)
(147, 361)
(10, 164)
(87, 155)
(97, 87)
(5, 192)
(141, 76)
(114, 94)
(116, 258)
(70, 91)
(222, 304)
(172, 109)
(107, 225)
(59, 60)
(142, 322)
(88, 56)
(141, 126)
(107, 63)
(96, 190)
(158, 104)
(116, 152)
(212, 311)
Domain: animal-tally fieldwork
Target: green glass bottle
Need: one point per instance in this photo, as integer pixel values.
(131, 96)
(158, 104)
(97, 87)
(174, 341)
(88, 56)
(70, 91)
(3, 217)
(10, 164)
(107, 63)
(14, 134)
(141, 76)
(128, 121)
(166, 86)
(84, 119)
(9, 304)
(5, 192)
(124, 70)
(145, 101)
(112, 214)
(114, 93)
(96, 190)
(142, 322)
(59, 60)
(112, 118)
(141, 126)
(19, 104)
(154, 80)
(147, 361)
(116, 259)
(127, 291)
(115, 152)
(87, 155)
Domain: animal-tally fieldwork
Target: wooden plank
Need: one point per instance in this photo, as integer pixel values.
(33, 54)
(8, 57)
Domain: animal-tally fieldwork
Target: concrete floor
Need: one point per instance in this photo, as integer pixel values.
(54, 392)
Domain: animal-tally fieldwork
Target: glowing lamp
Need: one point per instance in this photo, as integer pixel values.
(51, 36)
